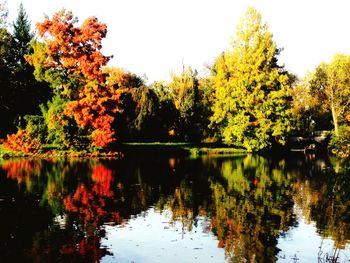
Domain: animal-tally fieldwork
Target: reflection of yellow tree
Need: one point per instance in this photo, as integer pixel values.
(252, 207)
(325, 199)
(181, 205)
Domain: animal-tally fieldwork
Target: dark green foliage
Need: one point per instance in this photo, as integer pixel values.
(23, 80)
(62, 131)
(35, 126)
(6, 93)
(168, 113)
(206, 102)
(143, 116)
(20, 93)
(20, 44)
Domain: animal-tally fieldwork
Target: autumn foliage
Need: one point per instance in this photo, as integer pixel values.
(74, 50)
(90, 203)
(21, 170)
(95, 108)
(69, 58)
(22, 141)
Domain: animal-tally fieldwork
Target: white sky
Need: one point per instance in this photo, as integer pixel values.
(154, 37)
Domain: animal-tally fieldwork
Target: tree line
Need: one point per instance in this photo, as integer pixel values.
(57, 89)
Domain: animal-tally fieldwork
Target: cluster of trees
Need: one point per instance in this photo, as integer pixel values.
(248, 100)
(322, 100)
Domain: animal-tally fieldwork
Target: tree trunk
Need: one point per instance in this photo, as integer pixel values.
(335, 120)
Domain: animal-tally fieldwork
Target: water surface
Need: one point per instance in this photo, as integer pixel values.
(151, 209)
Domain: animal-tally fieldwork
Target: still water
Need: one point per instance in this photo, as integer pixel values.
(175, 209)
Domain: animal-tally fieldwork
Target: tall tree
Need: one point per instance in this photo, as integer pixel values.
(22, 36)
(168, 114)
(252, 92)
(184, 88)
(140, 116)
(69, 58)
(330, 84)
(6, 111)
(307, 111)
(23, 81)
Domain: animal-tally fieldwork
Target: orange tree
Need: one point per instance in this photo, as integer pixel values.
(68, 57)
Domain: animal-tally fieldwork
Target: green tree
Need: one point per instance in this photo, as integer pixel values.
(141, 110)
(330, 84)
(61, 130)
(17, 80)
(307, 112)
(23, 81)
(185, 90)
(252, 206)
(6, 111)
(168, 113)
(252, 92)
(139, 117)
(22, 36)
(206, 99)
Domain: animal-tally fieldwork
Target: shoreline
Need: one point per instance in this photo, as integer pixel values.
(156, 148)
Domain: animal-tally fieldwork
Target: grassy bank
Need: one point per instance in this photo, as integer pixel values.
(170, 148)
(181, 148)
(54, 153)
(4, 153)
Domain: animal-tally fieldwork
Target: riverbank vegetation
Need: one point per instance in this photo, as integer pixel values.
(58, 90)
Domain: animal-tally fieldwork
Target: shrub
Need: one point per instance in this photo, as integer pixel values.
(22, 141)
(35, 126)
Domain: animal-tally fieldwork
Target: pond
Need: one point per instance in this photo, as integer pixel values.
(140, 208)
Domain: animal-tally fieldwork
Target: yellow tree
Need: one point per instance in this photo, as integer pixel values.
(251, 106)
(185, 90)
(330, 84)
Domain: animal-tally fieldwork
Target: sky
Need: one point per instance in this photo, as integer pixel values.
(156, 37)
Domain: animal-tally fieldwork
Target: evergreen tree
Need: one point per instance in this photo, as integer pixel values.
(22, 36)
(24, 83)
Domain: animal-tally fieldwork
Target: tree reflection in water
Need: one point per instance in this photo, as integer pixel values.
(324, 199)
(253, 205)
(81, 191)
(248, 200)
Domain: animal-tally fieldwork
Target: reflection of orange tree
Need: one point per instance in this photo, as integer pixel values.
(252, 207)
(22, 170)
(87, 207)
(90, 203)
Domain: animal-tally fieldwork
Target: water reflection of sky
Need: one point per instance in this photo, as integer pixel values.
(303, 244)
(152, 238)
